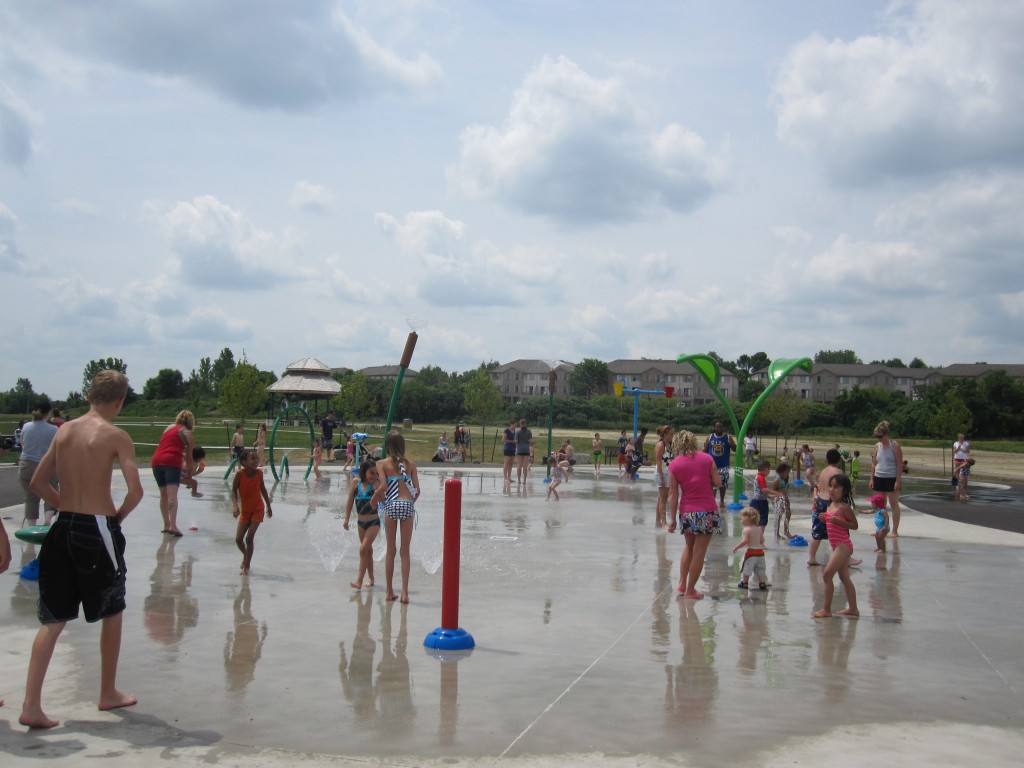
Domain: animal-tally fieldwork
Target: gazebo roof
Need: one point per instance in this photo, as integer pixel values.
(306, 376)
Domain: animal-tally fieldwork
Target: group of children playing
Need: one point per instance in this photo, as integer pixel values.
(833, 516)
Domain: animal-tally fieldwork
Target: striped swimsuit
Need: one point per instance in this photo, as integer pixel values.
(394, 507)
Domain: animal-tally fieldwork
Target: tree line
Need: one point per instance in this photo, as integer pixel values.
(223, 386)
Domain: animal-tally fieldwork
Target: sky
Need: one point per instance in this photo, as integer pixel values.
(544, 179)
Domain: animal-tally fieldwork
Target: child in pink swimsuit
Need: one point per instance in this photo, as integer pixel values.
(840, 520)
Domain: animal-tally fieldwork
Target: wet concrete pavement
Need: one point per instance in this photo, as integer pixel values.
(584, 654)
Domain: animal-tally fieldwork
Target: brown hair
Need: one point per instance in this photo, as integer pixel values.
(394, 444)
(108, 386)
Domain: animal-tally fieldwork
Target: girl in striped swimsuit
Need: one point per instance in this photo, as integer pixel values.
(395, 499)
(840, 520)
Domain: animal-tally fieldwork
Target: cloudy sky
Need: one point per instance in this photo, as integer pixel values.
(567, 179)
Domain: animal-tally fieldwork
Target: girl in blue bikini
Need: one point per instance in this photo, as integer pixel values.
(395, 498)
(368, 521)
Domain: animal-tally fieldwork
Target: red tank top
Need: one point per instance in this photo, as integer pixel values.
(170, 452)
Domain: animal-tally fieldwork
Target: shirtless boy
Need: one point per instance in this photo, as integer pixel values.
(83, 455)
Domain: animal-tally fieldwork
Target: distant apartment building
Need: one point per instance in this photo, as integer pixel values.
(378, 372)
(689, 387)
(827, 381)
(530, 378)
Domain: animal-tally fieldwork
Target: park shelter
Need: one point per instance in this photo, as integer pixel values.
(308, 381)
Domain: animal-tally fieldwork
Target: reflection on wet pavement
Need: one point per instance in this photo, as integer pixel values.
(582, 644)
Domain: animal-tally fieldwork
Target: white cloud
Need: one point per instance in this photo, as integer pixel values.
(311, 197)
(941, 87)
(220, 247)
(577, 149)
(11, 257)
(455, 273)
(16, 145)
(260, 54)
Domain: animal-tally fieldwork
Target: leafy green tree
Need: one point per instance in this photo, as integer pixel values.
(951, 417)
(746, 365)
(786, 411)
(483, 400)
(200, 381)
(917, 362)
(432, 375)
(168, 384)
(222, 366)
(355, 400)
(103, 364)
(243, 391)
(861, 408)
(892, 362)
(837, 356)
(589, 378)
(750, 389)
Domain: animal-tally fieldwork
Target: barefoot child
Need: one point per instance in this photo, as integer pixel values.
(597, 447)
(87, 531)
(395, 498)
(783, 511)
(762, 493)
(820, 502)
(840, 519)
(877, 503)
(367, 519)
(557, 474)
(317, 453)
(248, 494)
(753, 558)
(189, 480)
(238, 443)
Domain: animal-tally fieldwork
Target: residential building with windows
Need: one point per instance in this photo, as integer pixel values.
(529, 378)
(689, 387)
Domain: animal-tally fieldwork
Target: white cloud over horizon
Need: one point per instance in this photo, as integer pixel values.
(528, 181)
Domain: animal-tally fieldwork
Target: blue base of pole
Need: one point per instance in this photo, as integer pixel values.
(735, 506)
(798, 481)
(547, 479)
(31, 571)
(450, 639)
(743, 496)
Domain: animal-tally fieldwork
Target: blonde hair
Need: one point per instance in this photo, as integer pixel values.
(882, 428)
(684, 443)
(749, 516)
(108, 386)
(186, 419)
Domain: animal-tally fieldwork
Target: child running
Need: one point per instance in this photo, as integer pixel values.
(840, 520)
(248, 494)
(753, 558)
(395, 498)
(557, 475)
(367, 520)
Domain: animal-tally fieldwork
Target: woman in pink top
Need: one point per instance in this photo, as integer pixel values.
(693, 479)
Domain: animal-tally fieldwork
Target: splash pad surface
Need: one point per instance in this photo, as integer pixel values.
(582, 647)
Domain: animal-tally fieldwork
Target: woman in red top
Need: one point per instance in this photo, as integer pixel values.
(173, 453)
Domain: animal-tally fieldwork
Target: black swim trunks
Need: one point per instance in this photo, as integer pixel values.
(81, 562)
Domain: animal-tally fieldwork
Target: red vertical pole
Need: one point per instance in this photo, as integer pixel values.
(452, 547)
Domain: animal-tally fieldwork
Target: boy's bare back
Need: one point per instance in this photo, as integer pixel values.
(84, 452)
